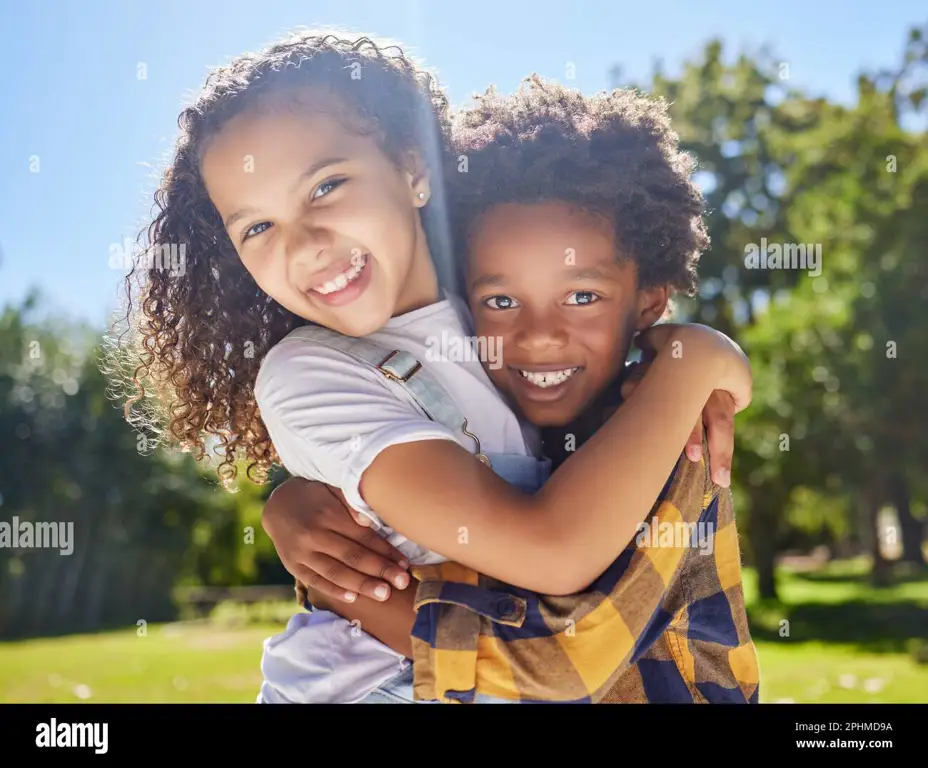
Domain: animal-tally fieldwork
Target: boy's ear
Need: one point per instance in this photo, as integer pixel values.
(652, 304)
(419, 178)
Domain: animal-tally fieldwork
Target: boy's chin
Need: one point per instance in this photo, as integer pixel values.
(550, 417)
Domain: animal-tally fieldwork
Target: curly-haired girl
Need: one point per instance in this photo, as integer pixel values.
(304, 328)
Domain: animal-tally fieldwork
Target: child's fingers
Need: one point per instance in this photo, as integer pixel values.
(361, 532)
(338, 582)
(369, 539)
(694, 443)
(720, 434)
(362, 520)
(351, 565)
(322, 586)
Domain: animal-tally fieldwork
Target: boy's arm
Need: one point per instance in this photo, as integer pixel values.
(536, 542)
(390, 621)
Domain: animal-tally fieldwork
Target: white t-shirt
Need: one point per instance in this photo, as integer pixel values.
(329, 417)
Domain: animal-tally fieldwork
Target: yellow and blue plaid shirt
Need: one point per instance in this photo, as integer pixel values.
(665, 623)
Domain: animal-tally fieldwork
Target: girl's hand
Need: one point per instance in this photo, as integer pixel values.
(326, 545)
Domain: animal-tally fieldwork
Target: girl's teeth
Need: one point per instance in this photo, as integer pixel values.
(549, 379)
(343, 279)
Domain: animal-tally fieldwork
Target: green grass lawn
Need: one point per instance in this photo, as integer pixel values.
(844, 642)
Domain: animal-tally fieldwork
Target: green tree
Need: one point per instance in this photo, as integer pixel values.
(144, 521)
(832, 419)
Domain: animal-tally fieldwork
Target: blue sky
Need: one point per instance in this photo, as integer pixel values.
(82, 136)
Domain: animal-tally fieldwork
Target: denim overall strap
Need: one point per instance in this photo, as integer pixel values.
(401, 368)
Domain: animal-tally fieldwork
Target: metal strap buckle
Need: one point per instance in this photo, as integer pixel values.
(392, 373)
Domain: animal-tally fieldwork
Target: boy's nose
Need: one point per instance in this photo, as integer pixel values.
(537, 332)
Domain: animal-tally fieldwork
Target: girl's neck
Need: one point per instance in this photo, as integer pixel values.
(421, 288)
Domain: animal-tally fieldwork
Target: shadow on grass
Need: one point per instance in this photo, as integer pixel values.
(867, 626)
(894, 577)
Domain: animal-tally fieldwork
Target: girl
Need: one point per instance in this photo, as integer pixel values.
(310, 301)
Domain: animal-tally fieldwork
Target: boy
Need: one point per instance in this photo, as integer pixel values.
(578, 219)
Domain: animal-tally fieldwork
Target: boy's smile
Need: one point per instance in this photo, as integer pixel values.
(548, 281)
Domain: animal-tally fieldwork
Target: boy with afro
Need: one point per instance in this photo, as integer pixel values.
(578, 220)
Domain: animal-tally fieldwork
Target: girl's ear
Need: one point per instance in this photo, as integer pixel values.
(418, 176)
(652, 304)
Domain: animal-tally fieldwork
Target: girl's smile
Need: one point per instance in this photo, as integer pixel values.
(320, 217)
(342, 284)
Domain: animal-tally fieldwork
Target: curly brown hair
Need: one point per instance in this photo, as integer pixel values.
(613, 154)
(188, 348)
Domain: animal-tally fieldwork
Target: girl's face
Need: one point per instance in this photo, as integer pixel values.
(321, 219)
(545, 283)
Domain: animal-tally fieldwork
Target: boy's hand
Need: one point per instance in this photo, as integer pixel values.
(328, 546)
(718, 417)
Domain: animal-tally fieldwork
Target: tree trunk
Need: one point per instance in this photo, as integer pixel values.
(912, 530)
(762, 526)
(879, 573)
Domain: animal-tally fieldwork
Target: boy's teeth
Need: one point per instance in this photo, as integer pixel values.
(343, 279)
(549, 378)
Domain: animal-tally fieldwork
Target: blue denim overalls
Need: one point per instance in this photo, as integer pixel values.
(525, 472)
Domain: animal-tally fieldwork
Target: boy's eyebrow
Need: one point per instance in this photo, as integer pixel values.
(588, 273)
(308, 173)
(583, 273)
(488, 281)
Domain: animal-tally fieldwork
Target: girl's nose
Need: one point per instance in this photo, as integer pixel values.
(306, 245)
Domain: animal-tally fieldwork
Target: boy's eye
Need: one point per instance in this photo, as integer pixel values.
(327, 186)
(251, 231)
(584, 297)
(506, 302)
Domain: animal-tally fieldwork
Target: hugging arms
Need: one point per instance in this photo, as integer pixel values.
(341, 564)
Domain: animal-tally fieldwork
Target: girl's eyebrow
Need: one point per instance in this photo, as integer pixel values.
(239, 214)
(318, 166)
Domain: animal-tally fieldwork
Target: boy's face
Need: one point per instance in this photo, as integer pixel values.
(545, 280)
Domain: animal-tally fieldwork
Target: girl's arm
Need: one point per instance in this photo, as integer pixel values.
(559, 540)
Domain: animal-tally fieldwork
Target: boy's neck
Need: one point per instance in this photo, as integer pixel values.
(560, 442)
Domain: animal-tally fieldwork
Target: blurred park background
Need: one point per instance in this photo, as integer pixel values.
(809, 124)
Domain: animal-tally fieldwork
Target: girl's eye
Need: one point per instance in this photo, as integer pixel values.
(328, 186)
(584, 297)
(505, 301)
(251, 232)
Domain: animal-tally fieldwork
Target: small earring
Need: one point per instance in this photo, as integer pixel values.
(421, 195)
